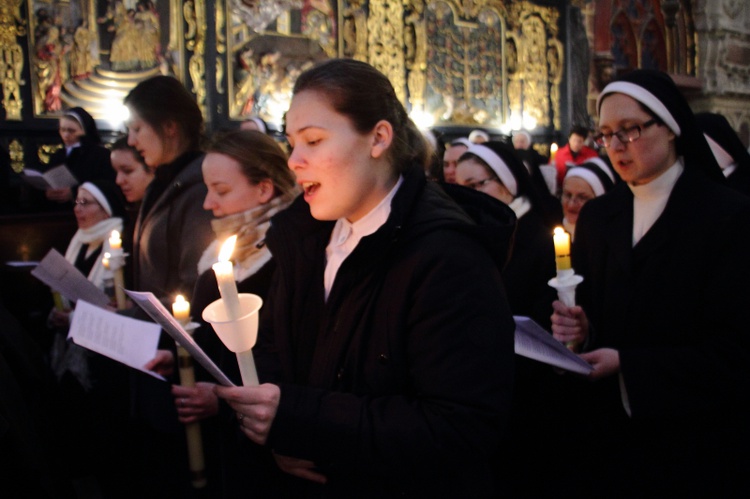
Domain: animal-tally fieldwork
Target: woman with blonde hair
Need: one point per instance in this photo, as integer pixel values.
(248, 183)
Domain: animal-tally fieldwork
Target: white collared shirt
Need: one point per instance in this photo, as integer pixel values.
(346, 236)
(649, 200)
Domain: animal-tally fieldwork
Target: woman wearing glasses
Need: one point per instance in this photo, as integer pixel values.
(583, 183)
(494, 168)
(91, 384)
(662, 307)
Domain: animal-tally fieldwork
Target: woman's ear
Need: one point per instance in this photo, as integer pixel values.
(170, 128)
(267, 190)
(382, 136)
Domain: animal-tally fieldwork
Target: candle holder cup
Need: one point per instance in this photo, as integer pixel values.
(117, 259)
(238, 335)
(565, 283)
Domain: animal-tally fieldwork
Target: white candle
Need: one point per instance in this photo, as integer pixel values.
(225, 278)
(105, 260)
(562, 249)
(181, 310)
(115, 242)
(552, 152)
(196, 463)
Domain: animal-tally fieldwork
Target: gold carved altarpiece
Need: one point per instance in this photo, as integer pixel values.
(464, 62)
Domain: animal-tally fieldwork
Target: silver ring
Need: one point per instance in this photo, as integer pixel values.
(240, 417)
(184, 401)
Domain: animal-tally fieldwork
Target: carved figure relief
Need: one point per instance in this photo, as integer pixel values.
(263, 64)
(12, 25)
(76, 47)
(355, 30)
(415, 38)
(385, 32)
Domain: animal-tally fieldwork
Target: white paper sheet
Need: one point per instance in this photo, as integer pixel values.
(54, 178)
(129, 341)
(60, 275)
(153, 307)
(534, 342)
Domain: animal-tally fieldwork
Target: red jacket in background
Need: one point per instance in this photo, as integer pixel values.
(565, 155)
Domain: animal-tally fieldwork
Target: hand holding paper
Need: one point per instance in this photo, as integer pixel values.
(532, 341)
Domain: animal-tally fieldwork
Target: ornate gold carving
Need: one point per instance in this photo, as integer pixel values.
(385, 38)
(11, 56)
(555, 53)
(195, 17)
(534, 89)
(354, 32)
(416, 53)
(466, 77)
(15, 151)
(47, 150)
(221, 45)
(319, 24)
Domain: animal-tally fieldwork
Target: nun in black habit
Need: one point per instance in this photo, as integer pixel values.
(662, 310)
(581, 184)
(728, 149)
(494, 168)
(82, 153)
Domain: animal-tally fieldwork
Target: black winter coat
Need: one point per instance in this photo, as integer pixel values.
(674, 307)
(399, 384)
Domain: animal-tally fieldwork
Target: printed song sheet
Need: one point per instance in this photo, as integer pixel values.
(60, 275)
(534, 342)
(153, 307)
(126, 340)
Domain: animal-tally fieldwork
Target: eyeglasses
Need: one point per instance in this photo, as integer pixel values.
(574, 198)
(85, 202)
(624, 135)
(479, 183)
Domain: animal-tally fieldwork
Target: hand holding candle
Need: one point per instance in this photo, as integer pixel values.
(196, 463)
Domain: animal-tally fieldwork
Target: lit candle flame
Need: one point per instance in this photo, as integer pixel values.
(227, 248)
(179, 299)
(115, 242)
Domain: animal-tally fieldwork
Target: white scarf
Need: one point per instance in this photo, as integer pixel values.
(250, 226)
(94, 236)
